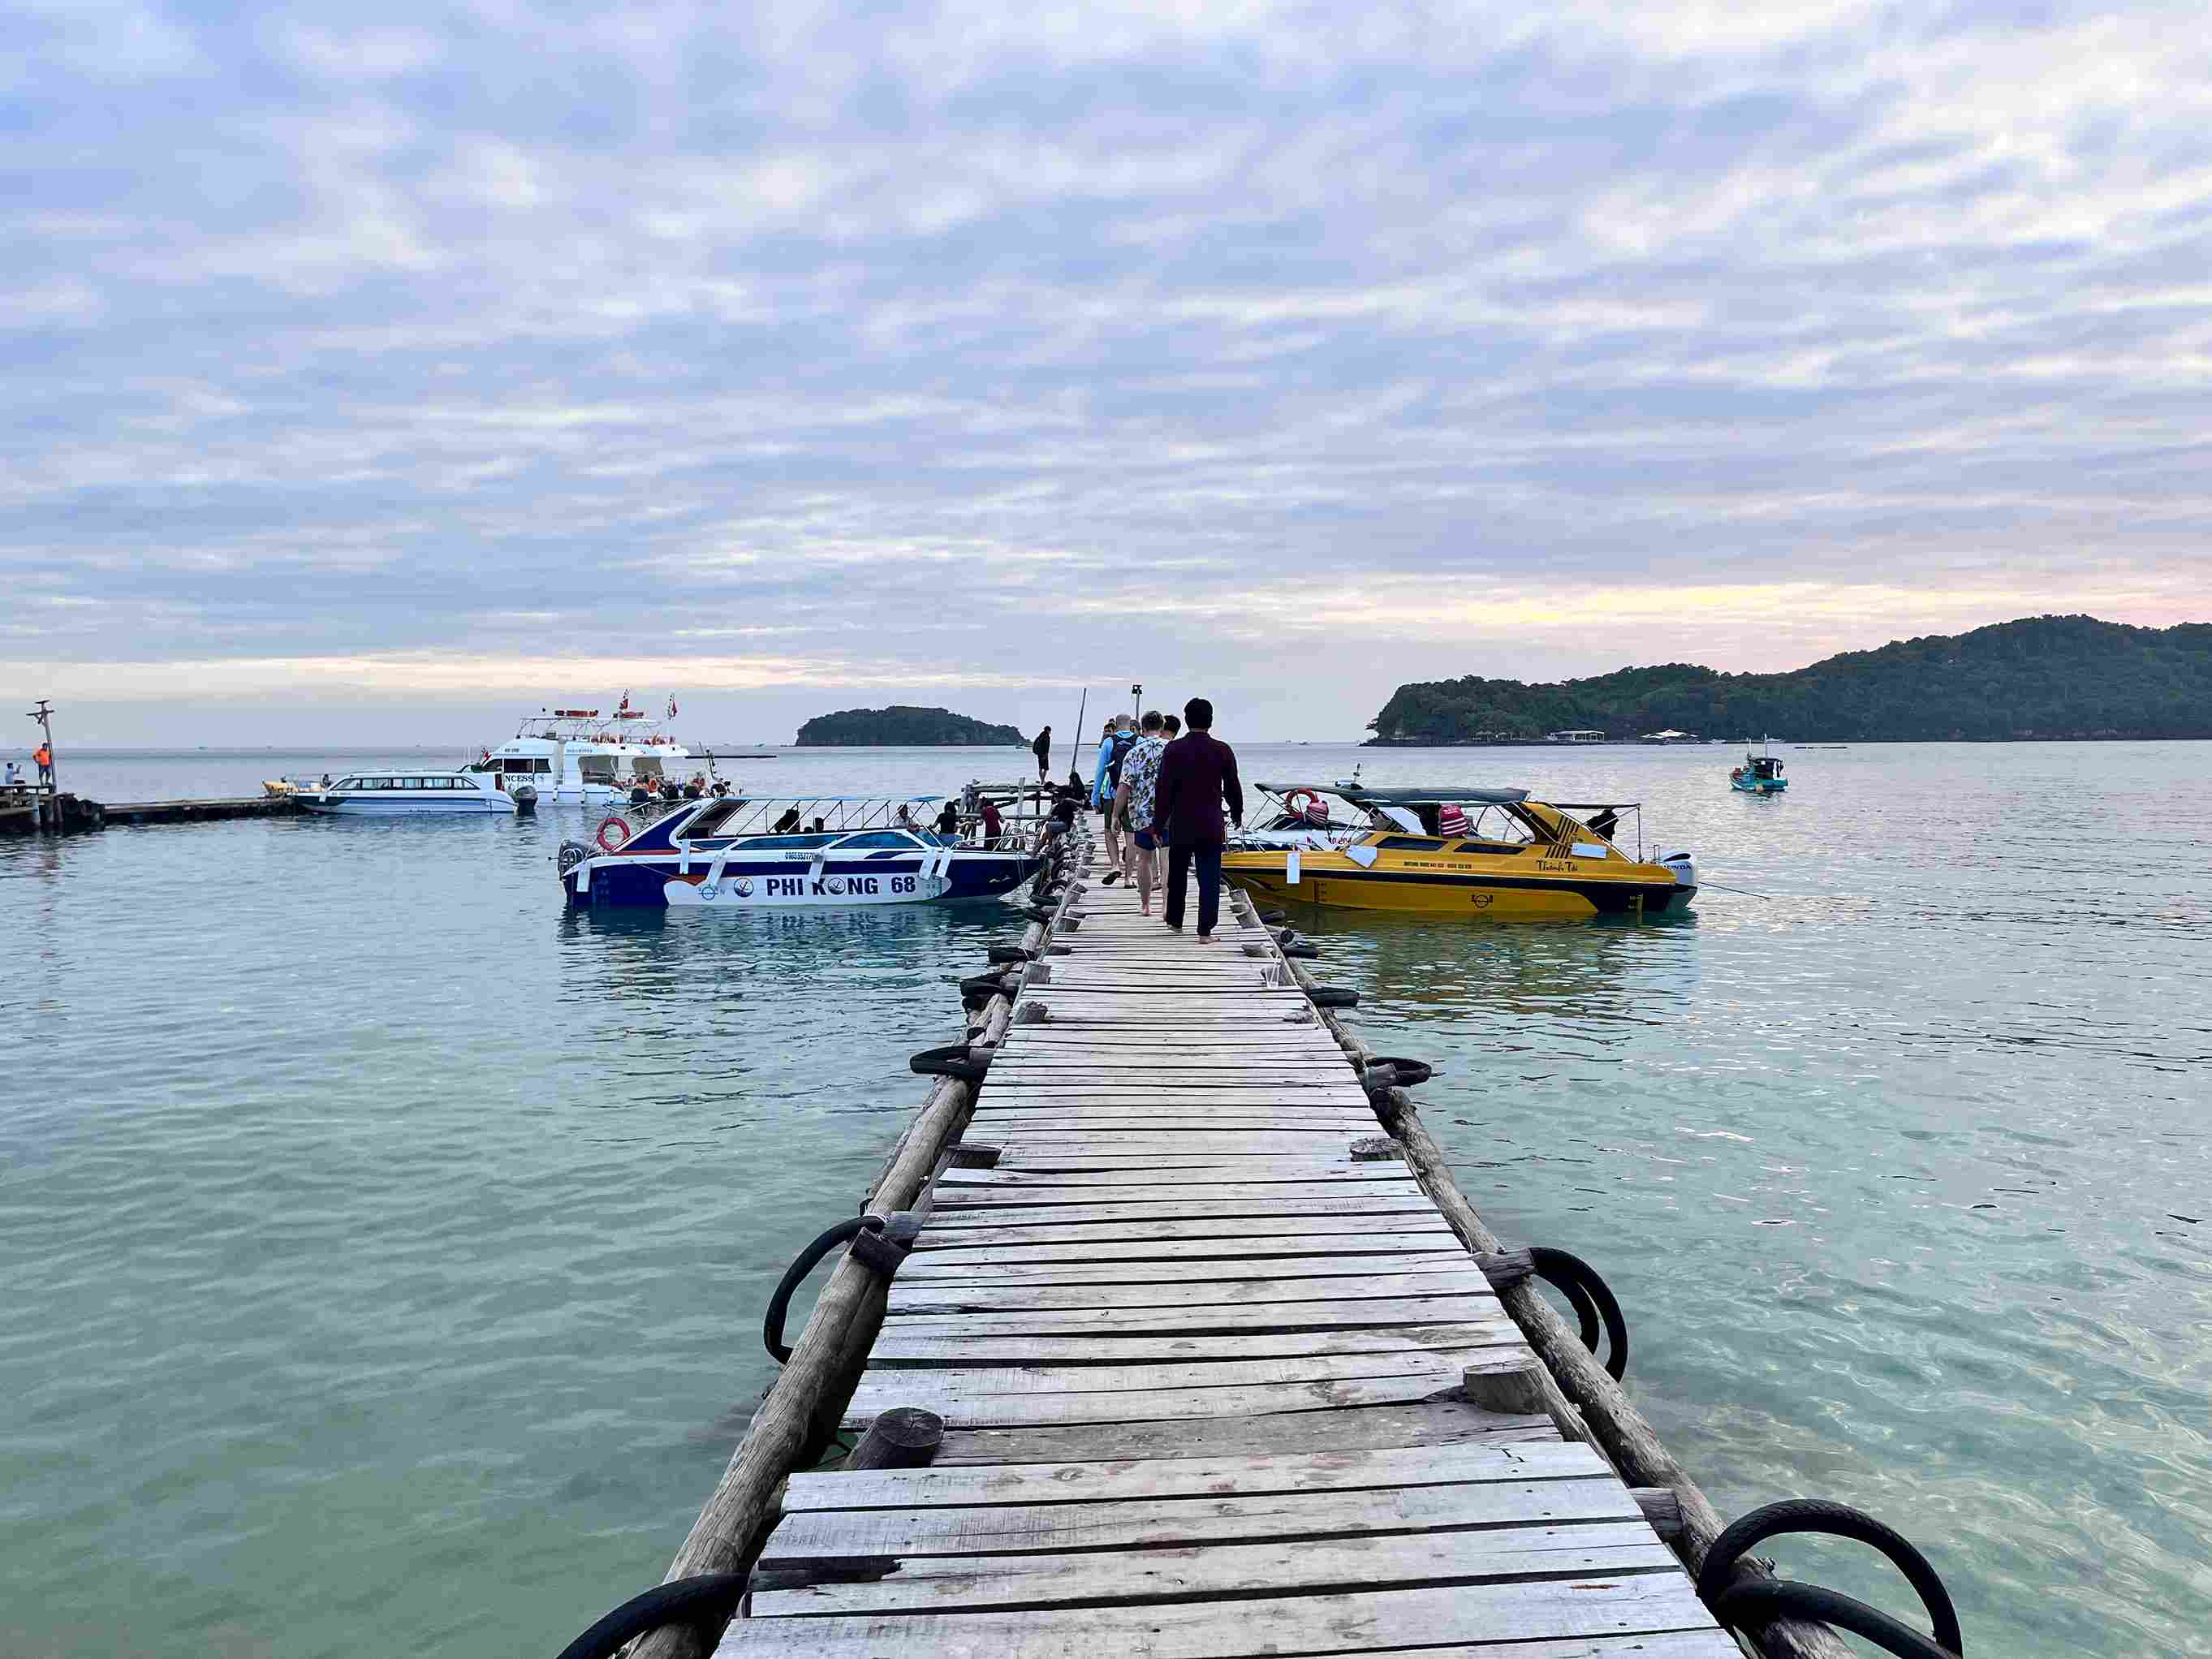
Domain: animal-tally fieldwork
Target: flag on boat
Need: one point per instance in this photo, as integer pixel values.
(671, 705)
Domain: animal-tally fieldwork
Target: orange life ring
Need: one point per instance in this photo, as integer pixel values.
(1291, 800)
(614, 835)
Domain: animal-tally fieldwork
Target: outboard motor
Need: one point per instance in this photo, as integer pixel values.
(639, 794)
(572, 854)
(525, 799)
(1685, 866)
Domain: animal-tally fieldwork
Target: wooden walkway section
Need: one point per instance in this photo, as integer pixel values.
(1201, 1372)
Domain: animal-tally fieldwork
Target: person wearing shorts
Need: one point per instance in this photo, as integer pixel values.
(1134, 802)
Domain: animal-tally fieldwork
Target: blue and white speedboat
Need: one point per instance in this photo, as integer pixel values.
(384, 794)
(784, 854)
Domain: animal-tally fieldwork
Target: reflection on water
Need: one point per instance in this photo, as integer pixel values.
(386, 1245)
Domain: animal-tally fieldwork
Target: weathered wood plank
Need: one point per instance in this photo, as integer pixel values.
(1563, 1615)
(1370, 1428)
(1175, 1270)
(1305, 1565)
(1288, 1169)
(1139, 1404)
(1183, 1241)
(942, 1296)
(965, 1388)
(1246, 1474)
(1171, 1197)
(1258, 1203)
(1212, 1316)
(894, 1347)
(1225, 1515)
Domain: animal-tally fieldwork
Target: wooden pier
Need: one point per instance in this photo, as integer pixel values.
(200, 812)
(1185, 1358)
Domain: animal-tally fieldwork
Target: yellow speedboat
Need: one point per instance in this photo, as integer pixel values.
(1480, 853)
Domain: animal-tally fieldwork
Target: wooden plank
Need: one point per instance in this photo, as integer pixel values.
(1305, 1565)
(894, 1348)
(968, 1389)
(1173, 1198)
(1225, 1515)
(946, 1296)
(1288, 1169)
(1139, 1404)
(1183, 1241)
(1213, 1317)
(1564, 1615)
(1178, 1269)
(1257, 1204)
(1428, 1423)
(1073, 1482)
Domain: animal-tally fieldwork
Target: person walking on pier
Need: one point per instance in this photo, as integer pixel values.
(1198, 777)
(1114, 745)
(1132, 804)
(1043, 750)
(1170, 727)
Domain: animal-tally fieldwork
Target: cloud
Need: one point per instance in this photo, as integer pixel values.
(970, 345)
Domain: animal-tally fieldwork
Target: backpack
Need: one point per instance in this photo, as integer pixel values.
(1123, 742)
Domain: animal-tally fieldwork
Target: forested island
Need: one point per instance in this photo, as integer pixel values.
(899, 724)
(2040, 677)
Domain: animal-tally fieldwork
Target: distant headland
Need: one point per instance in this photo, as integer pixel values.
(2038, 677)
(900, 725)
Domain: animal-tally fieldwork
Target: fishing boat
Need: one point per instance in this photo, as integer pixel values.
(786, 853)
(393, 794)
(1471, 852)
(1759, 774)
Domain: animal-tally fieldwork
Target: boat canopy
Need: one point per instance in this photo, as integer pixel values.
(1451, 795)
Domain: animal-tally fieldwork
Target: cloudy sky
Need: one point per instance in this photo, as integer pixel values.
(374, 373)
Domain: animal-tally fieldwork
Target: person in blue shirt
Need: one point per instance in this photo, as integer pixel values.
(1114, 745)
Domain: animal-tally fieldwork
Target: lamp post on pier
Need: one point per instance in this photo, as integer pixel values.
(47, 806)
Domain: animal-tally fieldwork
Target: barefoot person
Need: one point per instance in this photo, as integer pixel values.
(1198, 777)
(1132, 804)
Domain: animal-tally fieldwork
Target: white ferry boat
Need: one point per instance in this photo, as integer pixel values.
(389, 793)
(582, 755)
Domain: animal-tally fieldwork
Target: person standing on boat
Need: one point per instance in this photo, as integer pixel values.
(1198, 778)
(948, 821)
(993, 825)
(1133, 800)
(1043, 750)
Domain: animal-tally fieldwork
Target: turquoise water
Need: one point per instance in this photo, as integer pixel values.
(384, 1249)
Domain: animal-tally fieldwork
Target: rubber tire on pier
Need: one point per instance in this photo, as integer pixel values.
(1333, 996)
(686, 1600)
(954, 1060)
(1391, 1072)
(1819, 1515)
(1593, 1300)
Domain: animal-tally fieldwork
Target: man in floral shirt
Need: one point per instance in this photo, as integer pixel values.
(1134, 803)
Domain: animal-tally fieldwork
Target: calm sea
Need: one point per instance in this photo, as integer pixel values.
(383, 1250)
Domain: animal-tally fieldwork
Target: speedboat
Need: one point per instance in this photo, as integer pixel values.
(1759, 774)
(1310, 815)
(388, 794)
(580, 755)
(786, 853)
(1472, 853)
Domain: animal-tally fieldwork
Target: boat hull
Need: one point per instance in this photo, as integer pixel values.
(1759, 786)
(664, 882)
(1501, 897)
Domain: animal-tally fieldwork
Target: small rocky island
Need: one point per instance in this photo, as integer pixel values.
(898, 726)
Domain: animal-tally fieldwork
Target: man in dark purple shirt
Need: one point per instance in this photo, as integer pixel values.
(1198, 777)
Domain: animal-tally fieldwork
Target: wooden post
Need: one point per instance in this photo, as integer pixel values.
(904, 1438)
